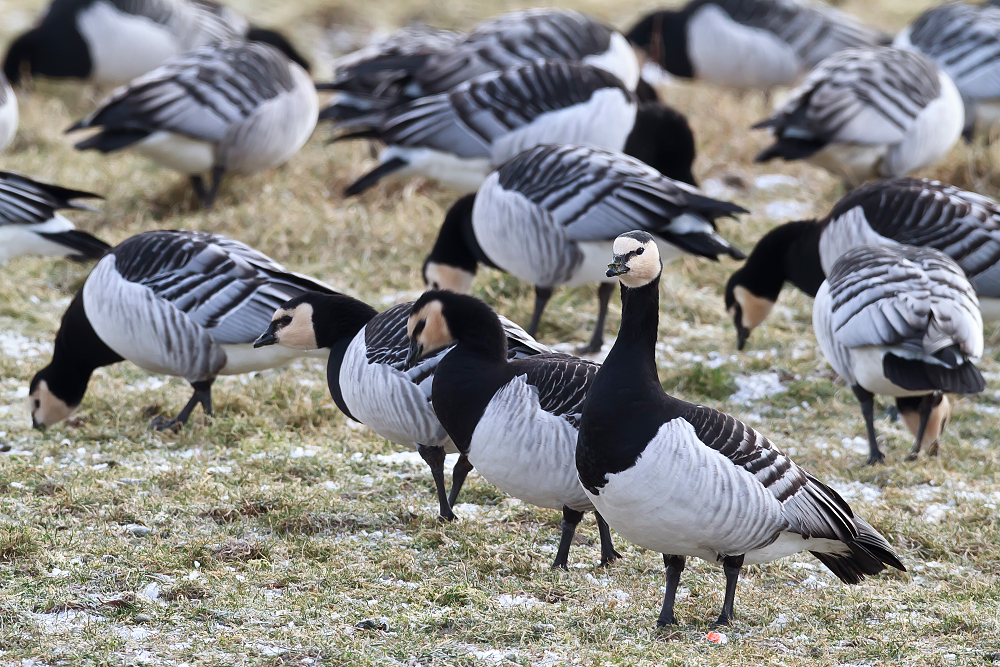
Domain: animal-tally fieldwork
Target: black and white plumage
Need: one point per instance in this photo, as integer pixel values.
(549, 216)
(187, 304)
(687, 480)
(868, 113)
(31, 225)
(919, 212)
(516, 421)
(460, 136)
(901, 321)
(8, 113)
(370, 378)
(748, 44)
(228, 108)
(111, 42)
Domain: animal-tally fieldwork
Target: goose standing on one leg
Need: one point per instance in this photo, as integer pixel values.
(369, 377)
(517, 420)
(901, 321)
(689, 481)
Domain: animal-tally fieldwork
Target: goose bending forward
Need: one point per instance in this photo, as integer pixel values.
(689, 481)
(111, 42)
(901, 321)
(30, 224)
(8, 113)
(517, 420)
(910, 211)
(551, 213)
(231, 108)
(369, 377)
(187, 304)
(868, 113)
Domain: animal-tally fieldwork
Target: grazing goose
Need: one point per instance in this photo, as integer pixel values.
(901, 321)
(111, 42)
(230, 108)
(516, 421)
(460, 136)
(547, 216)
(8, 113)
(686, 480)
(188, 304)
(868, 113)
(369, 377)
(29, 224)
(919, 212)
(747, 44)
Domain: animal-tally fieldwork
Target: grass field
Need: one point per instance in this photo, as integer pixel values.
(279, 533)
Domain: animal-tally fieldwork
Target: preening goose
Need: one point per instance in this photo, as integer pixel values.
(919, 212)
(229, 108)
(901, 321)
(516, 421)
(111, 42)
(868, 113)
(687, 480)
(460, 136)
(369, 377)
(188, 304)
(748, 44)
(30, 225)
(549, 215)
(8, 113)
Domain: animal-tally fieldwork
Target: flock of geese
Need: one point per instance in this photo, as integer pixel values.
(573, 172)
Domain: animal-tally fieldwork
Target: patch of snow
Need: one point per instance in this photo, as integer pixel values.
(301, 452)
(857, 491)
(787, 208)
(755, 387)
(518, 601)
(858, 445)
(934, 512)
(400, 458)
(772, 181)
(16, 346)
(467, 510)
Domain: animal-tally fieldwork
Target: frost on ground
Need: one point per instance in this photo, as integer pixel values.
(751, 388)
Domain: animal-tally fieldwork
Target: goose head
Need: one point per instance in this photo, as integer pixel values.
(427, 327)
(637, 259)
(47, 409)
(747, 309)
(452, 264)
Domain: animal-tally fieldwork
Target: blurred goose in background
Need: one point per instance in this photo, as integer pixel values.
(901, 321)
(231, 108)
(868, 113)
(8, 113)
(516, 421)
(460, 136)
(748, 44)
(187, 304)
(369, 376)
(689, 481)
(30, 225)
(919, 212)
(112, 42)
(549, 215)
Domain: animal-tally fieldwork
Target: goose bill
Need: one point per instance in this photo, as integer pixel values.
(269, 337)
(617, 267)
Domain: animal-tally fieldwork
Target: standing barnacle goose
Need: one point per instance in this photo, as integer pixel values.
(747, 44)
(114, 41)
(919, 212)
(8, 113)
(231, 108)
(369, 377)
(687, 480)
(548, 215)
(30, 225)
(901, 321)
(516, 421)
(460, 136)
(188, 304)
(868, 113)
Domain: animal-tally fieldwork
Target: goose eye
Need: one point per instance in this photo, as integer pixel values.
(640, 251)
(285, 320)
(37, 403)
(435, 285)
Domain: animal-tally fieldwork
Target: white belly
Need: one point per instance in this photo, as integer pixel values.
(123, 46)
(16, 240)
(184, 154)
(8, 119)
(866, 367)
(462, 174)
(243, 358)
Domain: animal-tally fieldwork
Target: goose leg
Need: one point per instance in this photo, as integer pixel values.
(673, 565)
(209, 201)
(867, 401)
(434, 457)
(608, 552)
(202, 394)
(571, 518)
(542, 296)
(731, 565)
(924, 409)
(458, 474)
(198, 184)
(604, 292)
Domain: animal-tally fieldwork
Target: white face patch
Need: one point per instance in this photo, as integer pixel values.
(643, 261)
(453, 279)
(755, 309)
(46, 408)
(299, 333)
(434, 334)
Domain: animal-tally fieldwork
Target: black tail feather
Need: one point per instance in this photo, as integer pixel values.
(109, 141)
(917, 375)
(374, 176)
(704, 245)
(86, 246)
(870, 554)
(790, 149)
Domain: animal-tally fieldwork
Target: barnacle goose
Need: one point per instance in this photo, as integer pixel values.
(901, 321)
(114, 41)
(369, 377)
(229, 108)
(747, 44)
(963, 225)
(30, 225)
(8, 113)
(460, 136)
(516, 421)
(687, 480)
(868, 113)
(188, 304)
(548, 215)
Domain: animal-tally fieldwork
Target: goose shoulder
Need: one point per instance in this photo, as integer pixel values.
(561, 382)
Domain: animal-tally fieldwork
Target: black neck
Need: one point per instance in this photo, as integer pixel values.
(662, 138)
(788, 252)
(663, 35)
(337, 317)
(636, 342)
(456, 243)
